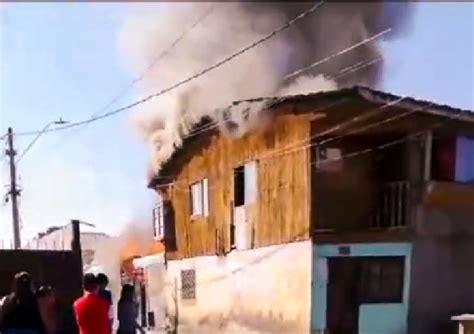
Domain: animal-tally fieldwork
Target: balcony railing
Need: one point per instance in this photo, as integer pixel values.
(393, 209)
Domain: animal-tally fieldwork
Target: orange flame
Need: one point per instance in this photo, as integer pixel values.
(135, 247)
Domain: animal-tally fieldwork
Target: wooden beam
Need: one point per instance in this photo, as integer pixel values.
(428, 155)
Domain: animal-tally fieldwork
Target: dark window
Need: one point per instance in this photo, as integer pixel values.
(245, 184)
(151, 319)
(143, 305)
(382, 280)
(169, 227)
(188, 284)
(443, 159)
(239, 186)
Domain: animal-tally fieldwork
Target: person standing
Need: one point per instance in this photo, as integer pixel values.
(20, 312)
(47, 306)
(127, 312)
(91, 310)
(106, 295)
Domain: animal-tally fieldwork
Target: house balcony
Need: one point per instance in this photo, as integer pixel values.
(386, 217)
(393, 207)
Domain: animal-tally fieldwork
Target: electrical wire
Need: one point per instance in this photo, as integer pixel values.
(364, 128)
(184, 81)
(142, 75)
(341, 126)
(31, 144)
(351, 69)
(206, 127)
(355, 67)
(313, 65)
(318, 163)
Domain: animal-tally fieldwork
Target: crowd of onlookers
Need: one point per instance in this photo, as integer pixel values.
(27, 310)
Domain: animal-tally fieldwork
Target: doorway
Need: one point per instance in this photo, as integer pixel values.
(343, 305)
(353, 281)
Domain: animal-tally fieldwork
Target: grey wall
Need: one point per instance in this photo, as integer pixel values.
(442, 280)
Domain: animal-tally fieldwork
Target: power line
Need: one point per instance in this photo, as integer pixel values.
(185, 81)
(364, 128)
(206, 127)
(28, 148)
(141, 76)
(354, 68)
(304, 69)
(308, 229)
(351, 69)
(348, 155)
(343, 125)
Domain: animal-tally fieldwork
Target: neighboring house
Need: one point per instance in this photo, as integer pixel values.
(147, 274)
(150, 280)
(349, 211)
(60, 238)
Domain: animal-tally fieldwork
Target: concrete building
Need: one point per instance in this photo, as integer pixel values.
(60, 238)
(347, 211)
(151, 291)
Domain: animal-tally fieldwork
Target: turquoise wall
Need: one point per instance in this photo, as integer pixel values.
(382, 319)
(373, 318)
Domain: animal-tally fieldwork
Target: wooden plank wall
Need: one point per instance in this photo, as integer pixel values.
(281, 212)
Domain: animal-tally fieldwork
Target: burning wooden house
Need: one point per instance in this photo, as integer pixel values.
(334, 213)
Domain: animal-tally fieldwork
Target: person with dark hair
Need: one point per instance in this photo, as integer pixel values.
(106, 295)
(20, 312)
(47, 304)
(91, 310)
(127, 312)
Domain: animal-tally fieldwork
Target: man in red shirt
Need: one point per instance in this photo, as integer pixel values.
(92, 311)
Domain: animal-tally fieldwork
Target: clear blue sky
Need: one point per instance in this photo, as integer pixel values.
(62, 60)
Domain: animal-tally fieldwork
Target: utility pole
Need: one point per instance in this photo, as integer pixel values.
(14, 192)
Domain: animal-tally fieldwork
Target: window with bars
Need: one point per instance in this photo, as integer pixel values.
(188, 284)
(199, 198)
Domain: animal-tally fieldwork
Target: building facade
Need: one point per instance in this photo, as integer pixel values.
(61, 237)
(329, 212)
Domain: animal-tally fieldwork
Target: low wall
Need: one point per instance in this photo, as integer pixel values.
(155, 276)
(60, 269)
(260, 290)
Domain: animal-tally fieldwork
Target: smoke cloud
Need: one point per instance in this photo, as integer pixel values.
(259, 72)
(135, 240)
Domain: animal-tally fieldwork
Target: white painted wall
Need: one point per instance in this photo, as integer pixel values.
(252, 291)
(155, 275)
(61, 239)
